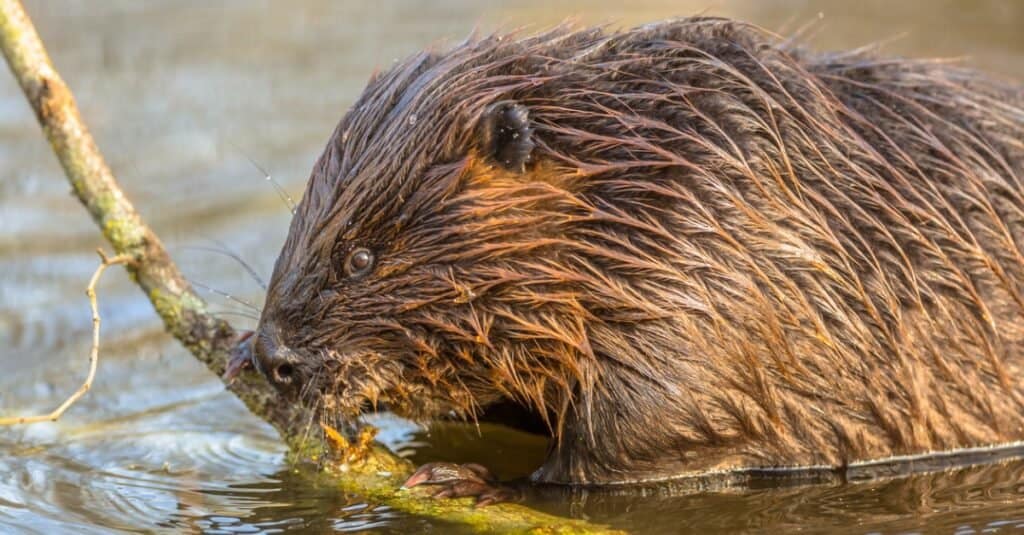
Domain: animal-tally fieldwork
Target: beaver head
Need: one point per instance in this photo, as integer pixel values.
(425, 266)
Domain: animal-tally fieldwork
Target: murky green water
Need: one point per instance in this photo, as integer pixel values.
(179, 95)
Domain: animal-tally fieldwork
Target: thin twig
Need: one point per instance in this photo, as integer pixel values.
(94, 354)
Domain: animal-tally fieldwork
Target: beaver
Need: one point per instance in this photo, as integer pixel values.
(688, 248)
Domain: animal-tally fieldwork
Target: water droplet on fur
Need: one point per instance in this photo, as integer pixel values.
(412, 120)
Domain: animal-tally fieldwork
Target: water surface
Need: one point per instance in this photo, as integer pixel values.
(180, 95)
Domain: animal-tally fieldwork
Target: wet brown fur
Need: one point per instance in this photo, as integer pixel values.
(725, 252)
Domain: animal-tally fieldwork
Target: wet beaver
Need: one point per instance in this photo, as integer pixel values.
(689, 248)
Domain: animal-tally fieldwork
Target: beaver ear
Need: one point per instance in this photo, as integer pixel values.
(506, 135)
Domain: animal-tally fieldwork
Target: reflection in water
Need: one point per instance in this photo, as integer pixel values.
(179, 97)
(979, 497)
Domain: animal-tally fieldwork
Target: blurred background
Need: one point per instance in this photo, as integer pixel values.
(180, 97)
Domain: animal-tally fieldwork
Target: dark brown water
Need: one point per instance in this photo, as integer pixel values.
(179, 95)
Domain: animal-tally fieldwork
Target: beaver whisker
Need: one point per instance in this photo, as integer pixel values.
(276, 187)
(225, 295)
(287, 199)
(239, 313)
(225, 252)
(223, 249)
(314, 415)
(311, 386)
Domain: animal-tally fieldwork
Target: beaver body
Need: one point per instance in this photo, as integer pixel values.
(688, 247)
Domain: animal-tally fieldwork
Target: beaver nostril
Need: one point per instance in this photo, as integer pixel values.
(283, 372)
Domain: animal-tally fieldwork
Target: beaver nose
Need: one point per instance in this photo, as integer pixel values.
(276, 362)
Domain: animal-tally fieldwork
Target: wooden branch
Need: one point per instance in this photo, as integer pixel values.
(369, 470)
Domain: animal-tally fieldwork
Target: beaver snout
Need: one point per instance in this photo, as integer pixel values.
(277, 363)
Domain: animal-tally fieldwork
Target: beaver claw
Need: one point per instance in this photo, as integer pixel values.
(462, 480)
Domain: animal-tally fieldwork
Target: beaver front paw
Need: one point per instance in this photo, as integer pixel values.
(462, 480)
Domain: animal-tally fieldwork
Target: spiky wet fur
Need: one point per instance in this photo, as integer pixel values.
(725, 253)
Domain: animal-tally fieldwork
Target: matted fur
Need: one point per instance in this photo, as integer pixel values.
(725, 253)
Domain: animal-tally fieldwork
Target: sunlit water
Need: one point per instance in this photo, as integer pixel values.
(180, 96)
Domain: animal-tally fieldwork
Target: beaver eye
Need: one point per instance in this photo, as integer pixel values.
(359, 262)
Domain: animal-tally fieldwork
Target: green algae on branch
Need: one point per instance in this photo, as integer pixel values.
(503, 518)
(379, 478)
(377, 473)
